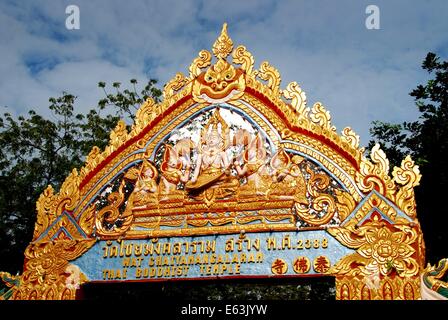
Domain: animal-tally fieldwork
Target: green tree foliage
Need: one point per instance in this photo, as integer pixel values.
(426, 140)
(36, 151)
(127, 102)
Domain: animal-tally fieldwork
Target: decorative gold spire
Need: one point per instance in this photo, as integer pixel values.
(223, 46)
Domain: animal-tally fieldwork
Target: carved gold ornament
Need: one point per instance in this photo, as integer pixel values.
(223, 45)
(282, 167)
(378, 243)
(44, 276)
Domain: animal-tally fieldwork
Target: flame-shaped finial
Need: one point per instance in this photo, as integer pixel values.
(223, 46)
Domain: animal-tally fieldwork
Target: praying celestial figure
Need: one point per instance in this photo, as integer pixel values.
(254, 168)
(145, 190)
(172, 171)
(288, 181)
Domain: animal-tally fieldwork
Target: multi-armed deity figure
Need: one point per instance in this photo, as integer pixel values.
(276, 177)
(212, 173)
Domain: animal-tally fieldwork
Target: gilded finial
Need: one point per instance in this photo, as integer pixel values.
(223, 46)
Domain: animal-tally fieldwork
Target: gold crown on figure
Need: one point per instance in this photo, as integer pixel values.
(211, 129)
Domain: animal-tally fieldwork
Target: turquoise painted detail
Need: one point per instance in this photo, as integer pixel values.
(400, 213)
(71, 219)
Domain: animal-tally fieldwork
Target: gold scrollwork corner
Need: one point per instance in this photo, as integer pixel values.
(44, 276)
(93, 159)
(45, 211)
(351, 137)
(408, 176)
(175, 84)
(345, 204)
(321, 202)
(375, 175)
(69, 193)
(388, 248)
(244, 58)
(117, 137)
(145, 114)
(270, 74)
(109, 221)
(87, 220)
(297, 96)
(49, 205)
(320, 116)
(203, 60)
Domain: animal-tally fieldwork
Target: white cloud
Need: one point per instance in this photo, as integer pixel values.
(359, 75)
(82, 78)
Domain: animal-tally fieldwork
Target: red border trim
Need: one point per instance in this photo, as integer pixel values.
(251, 91)
(303, 131)
(132, 140)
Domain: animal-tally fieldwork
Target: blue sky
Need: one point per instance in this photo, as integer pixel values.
(359, 75)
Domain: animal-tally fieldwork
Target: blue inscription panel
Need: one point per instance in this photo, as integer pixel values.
(253, 254)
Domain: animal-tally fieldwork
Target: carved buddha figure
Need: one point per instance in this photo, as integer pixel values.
(289, 182)
(254, 168)
(171, 170)
(145, 190)
(212, 165)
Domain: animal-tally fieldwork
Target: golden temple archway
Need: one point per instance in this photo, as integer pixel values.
(230, 176)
